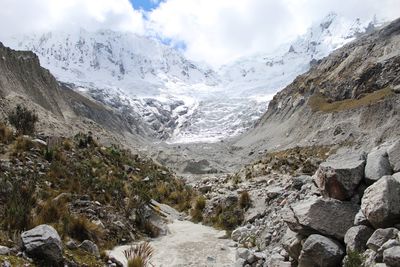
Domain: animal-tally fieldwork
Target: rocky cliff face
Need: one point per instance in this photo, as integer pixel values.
(61, 111)
(349, 96)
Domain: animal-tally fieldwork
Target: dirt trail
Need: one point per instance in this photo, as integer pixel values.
(187, 244)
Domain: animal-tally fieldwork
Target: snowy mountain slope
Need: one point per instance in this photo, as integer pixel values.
(248, 84)
(176, 99)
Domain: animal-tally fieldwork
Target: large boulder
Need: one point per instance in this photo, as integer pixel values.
(317, 215)
(394, 156)
(340, 178)
(356, 238)
(320, 251)
(391, 256)
(44, 244)
(380, 236)
(377, 165)
(381, 202)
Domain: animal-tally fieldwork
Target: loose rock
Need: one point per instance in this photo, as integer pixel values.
(339, 178)
(321, 216)
(43, 243)
(381, 202)
(321, 251)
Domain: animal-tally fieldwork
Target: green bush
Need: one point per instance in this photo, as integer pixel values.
(23, 120)
(354, 259)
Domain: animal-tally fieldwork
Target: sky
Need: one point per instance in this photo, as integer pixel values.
(213, 31)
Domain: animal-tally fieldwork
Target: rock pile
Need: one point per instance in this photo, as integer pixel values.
(349, 210)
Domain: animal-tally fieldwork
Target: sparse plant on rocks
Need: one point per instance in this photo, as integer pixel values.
(244, 200)
(23, 120)
(139, 255)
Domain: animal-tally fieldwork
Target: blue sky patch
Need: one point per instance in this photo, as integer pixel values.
(146, 5)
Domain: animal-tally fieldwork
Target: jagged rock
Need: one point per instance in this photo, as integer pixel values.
(377, 165)
(370, 257)
(4, 250)
(339, 178)
(360, 219)
(43, 243)
(381, 202)
(242, 253)
(321, 251)
(299, 181)
(391, 256)
(291, 242)
(380, 236)
(388, 244)
(394, 156)
(396, 89)
(356, 238)
(321, 216)
(90, 247)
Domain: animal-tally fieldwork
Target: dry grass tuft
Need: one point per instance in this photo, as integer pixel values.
(139, 255)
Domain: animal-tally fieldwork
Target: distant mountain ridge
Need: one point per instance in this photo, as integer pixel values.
(181, 100)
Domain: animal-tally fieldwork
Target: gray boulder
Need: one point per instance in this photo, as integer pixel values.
(381, 202)
(317, 215)
(90, 247)
(380, 236)
(356, 238)
(377, 165)
(242, 253)
(391, 256)
(394, 156)
(291, 242)
(320, 251)
(339, 178)
(43, 243)
(4, 251)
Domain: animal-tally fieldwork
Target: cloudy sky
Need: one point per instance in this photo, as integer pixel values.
(214, 31)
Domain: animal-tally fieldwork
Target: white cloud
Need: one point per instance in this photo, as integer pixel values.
(219, 31)
(214, 31)
(22, 16)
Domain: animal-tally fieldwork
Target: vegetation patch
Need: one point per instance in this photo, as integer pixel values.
(320, 103)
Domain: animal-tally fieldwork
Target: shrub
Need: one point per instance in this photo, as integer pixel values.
(50, 212)
(18, 206)
(6, 134)
(139, 255)
(354, 259)
(22, 144)
(244, 200)
(197, 211)
(23, 120)
(82, 229)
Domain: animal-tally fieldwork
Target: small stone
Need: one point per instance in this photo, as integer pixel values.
(90, 247)
(4, 251)
(242, 253)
